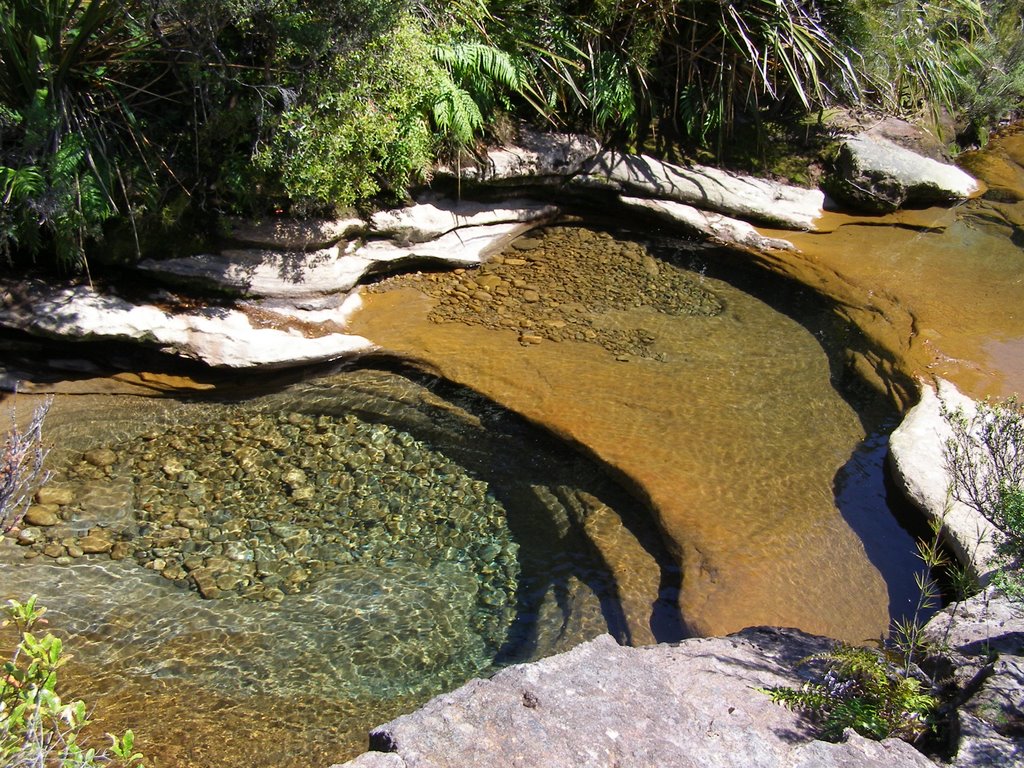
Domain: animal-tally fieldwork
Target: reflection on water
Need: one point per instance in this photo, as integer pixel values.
(370, 540)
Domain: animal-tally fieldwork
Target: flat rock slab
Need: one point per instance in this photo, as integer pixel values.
(432, 219)
(716, 227)
(304, 274)
(218, 336)
(292, 234)
(711, 189)
(878, 176)
(601, 704)
(580, 162)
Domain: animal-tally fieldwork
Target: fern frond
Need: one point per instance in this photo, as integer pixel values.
(456, 114)
(20, 184)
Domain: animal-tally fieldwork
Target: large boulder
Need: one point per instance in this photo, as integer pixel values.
(984, 636)
(875, 175)
(717, 228)
(431, 219)
(579, 163)
(600, 704)
(709, 189)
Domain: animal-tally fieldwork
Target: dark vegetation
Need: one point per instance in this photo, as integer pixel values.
(128, 120)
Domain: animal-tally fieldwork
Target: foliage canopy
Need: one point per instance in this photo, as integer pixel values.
(143, 114)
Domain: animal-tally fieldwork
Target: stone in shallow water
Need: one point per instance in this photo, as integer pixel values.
(54, 495)
(97, 542)
(42, 515)
(100, 457)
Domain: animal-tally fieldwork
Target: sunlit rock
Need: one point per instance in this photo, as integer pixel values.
(335, 270)
(716, 227)
(917, 457)
(709, 189)
(429, 220)
(218, 336)
(580, 163)
(461, 247)
(875, 175)
(695, 704)
(536, 156)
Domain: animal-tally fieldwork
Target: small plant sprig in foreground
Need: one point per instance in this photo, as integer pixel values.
(36, 727)
(864, 690)
(21, 468)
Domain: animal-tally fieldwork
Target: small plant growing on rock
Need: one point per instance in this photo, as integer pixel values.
(36, 727)
(985, 459)
(865, 690)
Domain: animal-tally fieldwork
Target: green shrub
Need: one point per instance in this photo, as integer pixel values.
(37, 727)
(864, 690)
(361, 127)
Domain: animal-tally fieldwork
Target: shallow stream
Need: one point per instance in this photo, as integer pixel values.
(280, 571)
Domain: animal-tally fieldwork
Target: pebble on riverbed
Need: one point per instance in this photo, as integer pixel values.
(260, 505)
(556, 285)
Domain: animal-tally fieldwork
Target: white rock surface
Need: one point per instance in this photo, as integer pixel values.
(301, 274)
(710, 189)
(715, 226)
(469, 245)
(916, 454)
(218, 336)
(267, 272)
(428, 220)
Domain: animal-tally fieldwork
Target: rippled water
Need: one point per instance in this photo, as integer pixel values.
(293, 567)
(440, 537)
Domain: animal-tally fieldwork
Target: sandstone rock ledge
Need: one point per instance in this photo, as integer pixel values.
(600, 704)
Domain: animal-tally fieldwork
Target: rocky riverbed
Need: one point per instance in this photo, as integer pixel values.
(260, 505)
(556, 284)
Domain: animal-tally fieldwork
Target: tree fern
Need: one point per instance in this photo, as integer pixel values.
(477, 77)
(20, 184)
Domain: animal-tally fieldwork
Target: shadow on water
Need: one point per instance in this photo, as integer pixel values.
(548, 491)
(885, 522)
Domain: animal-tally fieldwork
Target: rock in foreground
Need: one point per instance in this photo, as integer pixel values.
(602, 705)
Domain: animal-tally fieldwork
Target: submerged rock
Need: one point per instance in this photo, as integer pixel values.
(874, 175)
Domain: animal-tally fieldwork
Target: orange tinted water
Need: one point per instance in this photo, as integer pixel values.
(734, 438)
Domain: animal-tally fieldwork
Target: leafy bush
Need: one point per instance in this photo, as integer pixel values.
(863, 690)
(36, 727)
(361, 127)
